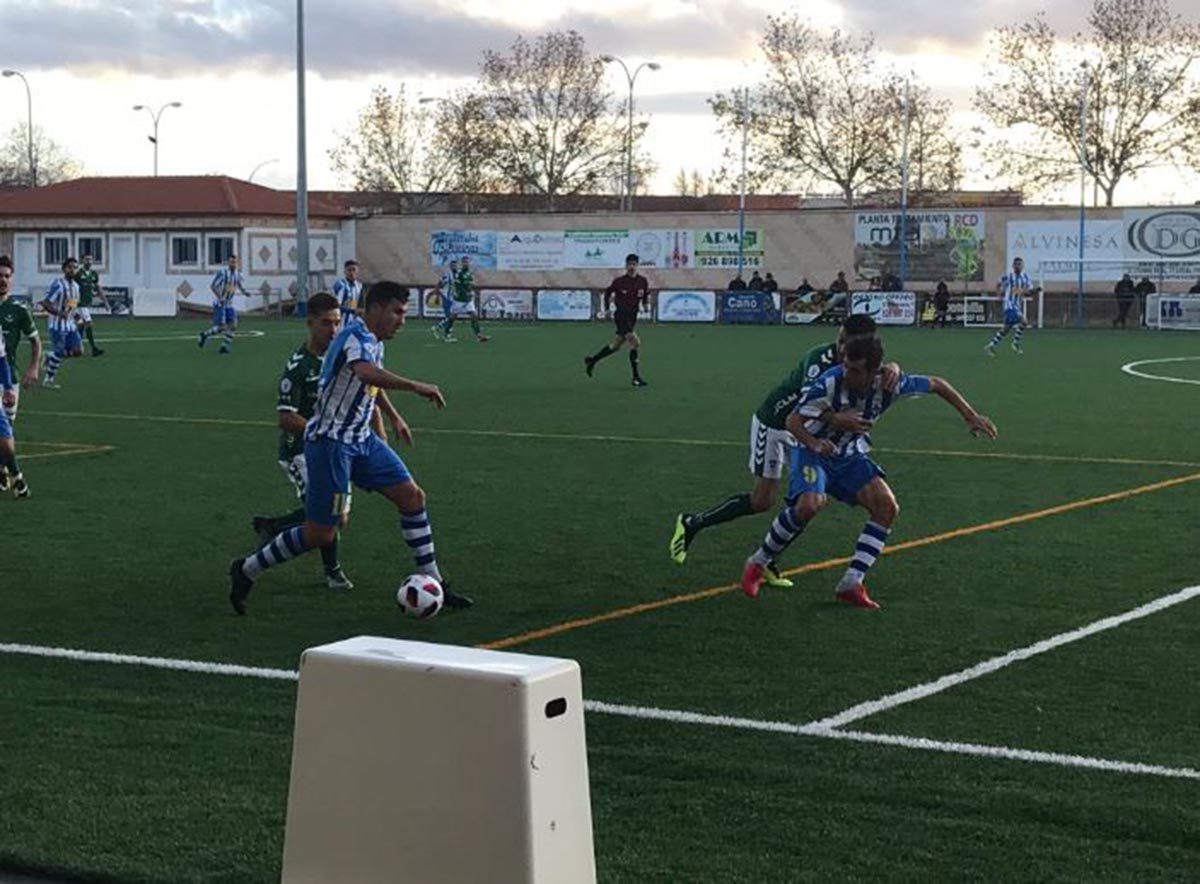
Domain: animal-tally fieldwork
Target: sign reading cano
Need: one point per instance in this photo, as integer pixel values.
(687, 306)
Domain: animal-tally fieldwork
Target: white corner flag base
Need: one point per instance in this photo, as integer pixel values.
(417, 763)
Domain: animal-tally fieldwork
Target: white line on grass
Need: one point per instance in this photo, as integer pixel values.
(186, 337)
(1131, 368)
(649, 440)
(929, 688)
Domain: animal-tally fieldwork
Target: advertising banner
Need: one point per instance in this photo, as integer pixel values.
(1042, 243)
(942, 244)
(506, 303)
(687, 306)
(752, 308)
(718, 247)
(800, 309)
(886, 308)
(565, 304)
(1154, 237)
(431, 302)
(478, 245)
(595, 248)
(667, 249)
(530, 249)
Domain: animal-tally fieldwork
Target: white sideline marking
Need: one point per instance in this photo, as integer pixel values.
(1131, 368)
(183, 337)
(651, 440)
(929, 688)
(653, 714)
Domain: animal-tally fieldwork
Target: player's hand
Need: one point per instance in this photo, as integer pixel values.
(848, 421)
(891, 376)
(432, 393)
(31, 375)
(823, 447)
(9, 398)
(402, 429)
(981, 425)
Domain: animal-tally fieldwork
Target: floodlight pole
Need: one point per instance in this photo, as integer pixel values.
(301, 165)
(742, 184)
(904, 193)
(631, 78)
(29, 123)
(1083, 103)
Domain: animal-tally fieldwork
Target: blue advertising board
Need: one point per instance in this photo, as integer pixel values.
(753, 308)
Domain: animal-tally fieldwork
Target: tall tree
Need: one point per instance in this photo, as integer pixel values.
(934, 152)
(52, 161)
(691, 184)
(1135, 70)
(391, 146)
(552, 125)
(827, 112)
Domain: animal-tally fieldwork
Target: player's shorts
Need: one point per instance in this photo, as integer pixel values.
(332, 468)
(768, 449)
(841, 477)
(447, 307)
(64, 342)
(625, 322)
(296, 470)
(6, 428)
(224, 314)
(83, 314)
(10, 411)
(462, 308)
(1013, 317)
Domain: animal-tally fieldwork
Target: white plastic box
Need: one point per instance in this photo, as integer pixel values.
(418, 763)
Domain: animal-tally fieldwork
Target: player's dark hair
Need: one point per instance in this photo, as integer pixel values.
(859, 324)
(322, 302)
(68, 261)
(384, 291)
(6, 261)
(349, 264)
(632, 257)
(866, 348)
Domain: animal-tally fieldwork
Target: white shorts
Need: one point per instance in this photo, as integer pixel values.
(296, 470)
(769, 449)
(12, 412)
(462, 308)
(83, 314)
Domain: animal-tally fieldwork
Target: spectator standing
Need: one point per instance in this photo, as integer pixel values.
(1195, 290)
(737, 284)
(756, 282)
(839, 286)
(769, 284)
(941, 304)
(1126, 291)
(804, 288)
(1145, 288)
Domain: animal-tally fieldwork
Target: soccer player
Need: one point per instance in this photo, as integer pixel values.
(15, 321)
(445, 286)
(225, 284)
(833, 461)
(1012, 288)
(10, 470)
(348, 290)
(770, 443)
(60, 302)
(340, 448)
(88, 281)
(463, 303)
(297, 399)
(631, 290)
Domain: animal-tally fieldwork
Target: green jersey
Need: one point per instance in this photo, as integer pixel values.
(298, 392)
(464, 286)
(15, 321)
(780, 401)
(89, 285)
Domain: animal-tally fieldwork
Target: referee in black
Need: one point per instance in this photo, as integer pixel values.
(631, 291)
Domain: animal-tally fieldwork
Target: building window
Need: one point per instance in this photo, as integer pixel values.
(90, 245)
(220, 248)
(55, 250)
(185, 251)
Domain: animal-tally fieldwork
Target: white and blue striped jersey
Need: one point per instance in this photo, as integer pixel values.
(345, 403)
(64, 298)
(225, 285)
(348, 294)
(1014, 287)
(446, 285)
(829, 392)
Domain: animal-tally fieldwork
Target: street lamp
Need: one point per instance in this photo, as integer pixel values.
(259, 166)
(461, 113)
(156, 116)
(631, 77)
(29, 107)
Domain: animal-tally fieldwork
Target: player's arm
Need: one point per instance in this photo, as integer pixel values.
(795, 426)
(372, 374)
(35, 341)
(977, 422)
(384, 407)
(287, 408)
(608, 295)
(8, 395)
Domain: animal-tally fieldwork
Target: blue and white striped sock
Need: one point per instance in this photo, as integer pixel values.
(227, 340)
(869, 547)
(786, 528)
(53, 361)
(419, 537)
(287, 545)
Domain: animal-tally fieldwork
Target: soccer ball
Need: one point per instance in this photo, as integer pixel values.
(420, 596)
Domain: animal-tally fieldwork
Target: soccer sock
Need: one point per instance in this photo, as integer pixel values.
(227, 340)
(53, 360)
(329, 556)
(786, 528)
(209, 332)
(998, 336)
(8, 462)
(287, 545)
(91, 336)
(475, 325)
(1017, 336)
(448, 323)
(633, 362)
(419, 537)
(726, 511)
(869, 547)
(602, 352)
(289, 520)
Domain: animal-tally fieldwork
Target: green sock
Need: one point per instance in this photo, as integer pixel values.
(329, 555)
(474, 325)
(91, 336)
(726, 511)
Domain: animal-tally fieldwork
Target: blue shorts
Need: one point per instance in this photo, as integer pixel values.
(447, 306)
(64, 342)
(224, 314)
(333, 466)
(842, 477)
(1013, 317)
(6, 430)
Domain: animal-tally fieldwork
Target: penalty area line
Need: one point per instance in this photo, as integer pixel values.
(645, 713)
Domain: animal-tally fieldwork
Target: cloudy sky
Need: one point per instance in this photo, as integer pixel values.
(231, 64)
